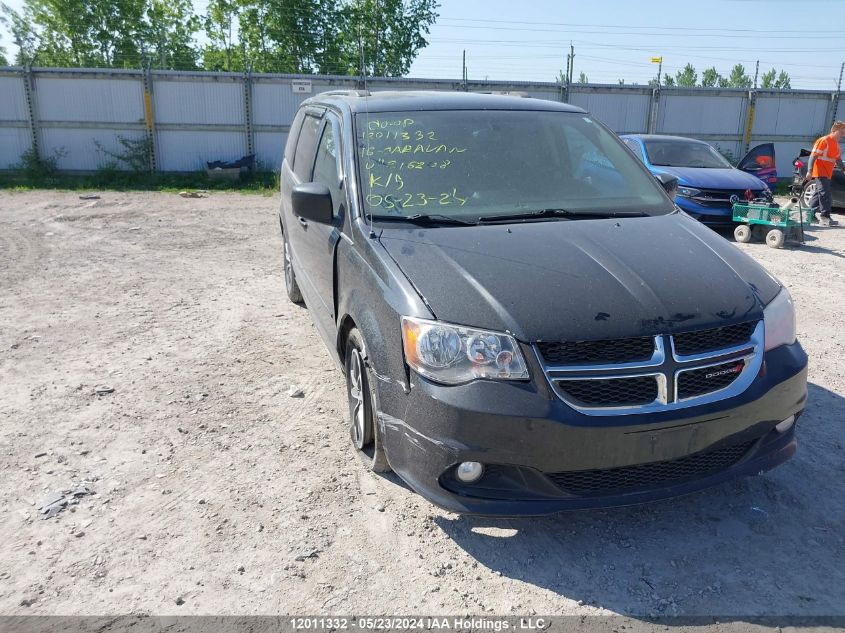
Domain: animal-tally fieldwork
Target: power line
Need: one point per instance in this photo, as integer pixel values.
(668, 33)
(680, 28)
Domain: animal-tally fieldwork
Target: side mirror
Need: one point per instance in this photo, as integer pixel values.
(313, 201)
(669, 183)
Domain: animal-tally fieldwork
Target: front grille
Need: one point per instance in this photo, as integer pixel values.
(718, 197)
(697, 382)
(647, 476)
(610, 392)
(688, 343)
(625, 350)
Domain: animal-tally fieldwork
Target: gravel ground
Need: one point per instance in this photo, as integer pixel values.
(146, 347)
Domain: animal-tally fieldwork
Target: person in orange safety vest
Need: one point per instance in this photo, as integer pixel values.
(825, 156)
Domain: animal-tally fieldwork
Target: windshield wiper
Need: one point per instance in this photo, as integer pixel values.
(424, 218)
(528, 215)
(560, 213)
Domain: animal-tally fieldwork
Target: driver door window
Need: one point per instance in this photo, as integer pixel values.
(327, 165)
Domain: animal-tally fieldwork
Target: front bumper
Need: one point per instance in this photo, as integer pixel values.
(527, 433)
(713, 216)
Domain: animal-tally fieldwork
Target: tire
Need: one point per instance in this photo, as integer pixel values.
(742, 233)
(291, 286)
(775, 238)
(807, 193)
(364, 433)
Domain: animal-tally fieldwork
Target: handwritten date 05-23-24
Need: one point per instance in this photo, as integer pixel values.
(408, 200)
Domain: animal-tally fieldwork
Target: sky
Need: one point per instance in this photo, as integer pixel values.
(528, 40)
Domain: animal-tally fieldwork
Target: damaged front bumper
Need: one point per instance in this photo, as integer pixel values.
(542, 457)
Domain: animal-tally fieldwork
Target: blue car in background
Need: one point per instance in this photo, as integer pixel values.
(707, 182)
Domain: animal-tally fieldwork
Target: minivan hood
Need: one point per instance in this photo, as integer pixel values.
(728, 178)
(582, 279)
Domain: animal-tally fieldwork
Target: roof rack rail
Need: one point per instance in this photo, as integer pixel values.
(348, 93)
(509, 93)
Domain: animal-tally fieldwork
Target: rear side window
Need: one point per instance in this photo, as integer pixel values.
(293, 135)
(306, 148)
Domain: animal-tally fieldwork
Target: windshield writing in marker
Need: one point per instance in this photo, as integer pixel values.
(396, 153)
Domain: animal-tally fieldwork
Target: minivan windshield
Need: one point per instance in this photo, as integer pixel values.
(473, 164)
(680, 153)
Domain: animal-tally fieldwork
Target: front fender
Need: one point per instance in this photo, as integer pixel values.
(373, 293)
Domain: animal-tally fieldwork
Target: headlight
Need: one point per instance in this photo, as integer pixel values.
(453, 354)
(779, 319)
(688, 192)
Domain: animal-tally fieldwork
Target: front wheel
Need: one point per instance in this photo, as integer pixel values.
(363, 431)
(775, 238)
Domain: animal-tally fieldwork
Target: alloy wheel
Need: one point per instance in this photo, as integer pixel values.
(357, 394)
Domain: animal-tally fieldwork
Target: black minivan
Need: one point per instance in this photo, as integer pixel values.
(525, 320)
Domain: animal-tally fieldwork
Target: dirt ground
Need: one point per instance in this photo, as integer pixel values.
(215, 492)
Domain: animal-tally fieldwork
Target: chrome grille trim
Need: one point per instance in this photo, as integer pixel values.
(658, 357)
(672, 365)
(662, 390)
(746, 359)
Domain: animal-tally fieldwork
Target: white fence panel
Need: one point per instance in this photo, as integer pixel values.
(200, 117)
(77, 149)
(89, 100)
(691, 115)
(15, 136)
(625, 113)
(275, 103)
(13, 101)
(189, 150)
(269, 147)
(778, 115)
(13, 143)
(199, 102)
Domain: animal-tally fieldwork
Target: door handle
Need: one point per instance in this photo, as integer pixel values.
(303, 222)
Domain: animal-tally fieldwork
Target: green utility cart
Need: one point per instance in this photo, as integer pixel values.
(770, 222)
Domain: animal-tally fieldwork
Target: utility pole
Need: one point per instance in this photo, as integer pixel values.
(655, 97)
(566, 81)
(838, 95)
(464, 71)
(756, 72)
(571, 61)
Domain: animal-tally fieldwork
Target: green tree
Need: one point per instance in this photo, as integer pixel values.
(772, 79)
(668, 80)
(686, 77)
(710, 78)
(390, 32)
(80, 32)
(167, 34)
(220, 22)
(317, 36)
(583, 79)
(3, 61)
(767, 80)
(621, 82)
(22, 33)
(110, 33)
(738, 78)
